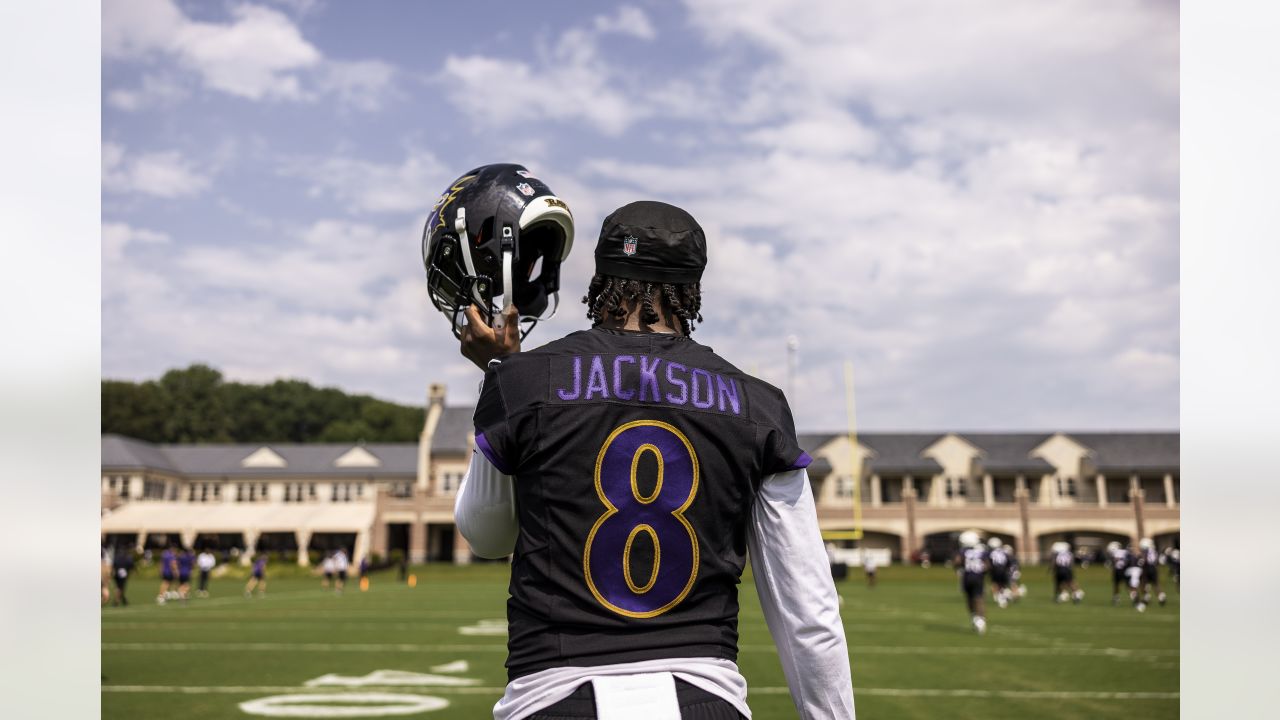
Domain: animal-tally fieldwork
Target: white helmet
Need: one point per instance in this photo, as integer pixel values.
(1113, 546)
(1061, 546)
(969, 538)
(1145, 543)
(994, 542)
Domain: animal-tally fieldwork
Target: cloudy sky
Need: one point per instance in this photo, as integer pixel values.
(976, 203)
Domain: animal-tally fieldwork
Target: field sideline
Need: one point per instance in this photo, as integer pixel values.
(913, 653)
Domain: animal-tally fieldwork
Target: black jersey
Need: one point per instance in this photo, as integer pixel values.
(1148, 557)
(636, 459)
(1121, 559)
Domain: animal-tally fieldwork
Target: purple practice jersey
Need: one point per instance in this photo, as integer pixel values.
(260, 565)
(167, 562)
(185, 561)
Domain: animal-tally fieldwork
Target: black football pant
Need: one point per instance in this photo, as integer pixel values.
(695, 704)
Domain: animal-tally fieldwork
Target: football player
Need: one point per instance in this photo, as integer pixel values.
(340, 564)
(1149, 561)
(644, 467)
(998, 558)
(326, 566)
(971, 565)
(205, 562)
(1119, 558)
(258, 578)
(1064, 579)
(186, 561)
(168, 574)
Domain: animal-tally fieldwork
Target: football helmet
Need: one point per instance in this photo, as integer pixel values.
(1145, 543)
(1061, 546)
(969, 538)
(489, 232)
(1113, 546)
(994, 542)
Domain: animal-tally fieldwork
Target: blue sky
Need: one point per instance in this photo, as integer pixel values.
(977, 204)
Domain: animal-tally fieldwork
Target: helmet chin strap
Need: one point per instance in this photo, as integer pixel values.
(508, 273)
(460, 227)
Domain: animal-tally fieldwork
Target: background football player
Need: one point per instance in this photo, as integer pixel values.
(1064, 577)
(1119, 558)
(644, 466)
(1149, 561)
(998, 558)
(971, 566)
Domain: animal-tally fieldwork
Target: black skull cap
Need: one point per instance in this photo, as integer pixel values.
(652, 241)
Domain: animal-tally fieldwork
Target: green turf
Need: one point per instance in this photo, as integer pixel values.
(913, 654)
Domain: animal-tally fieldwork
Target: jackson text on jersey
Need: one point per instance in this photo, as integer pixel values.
(643, 379)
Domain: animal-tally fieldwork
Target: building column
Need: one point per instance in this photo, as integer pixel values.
(1135, 497)
(303, 537)
(461, 548)
(988, 491)
(1025, 548)
(133, 487)
(361, 549)
(187, 536)
(1169, 502)
(142, 540)
(1048, 493)
(417, 542)
(875, 490)
(1101, 481)
(250, 546)
(909, 504)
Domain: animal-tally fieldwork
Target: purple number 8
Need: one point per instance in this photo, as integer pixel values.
(660, 515)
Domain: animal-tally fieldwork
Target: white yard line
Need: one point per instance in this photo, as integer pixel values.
(501, 647)
(883, 692)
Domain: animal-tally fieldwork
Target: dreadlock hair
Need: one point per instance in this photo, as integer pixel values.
(607, 297)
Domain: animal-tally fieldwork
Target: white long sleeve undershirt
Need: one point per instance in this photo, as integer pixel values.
(792, 577)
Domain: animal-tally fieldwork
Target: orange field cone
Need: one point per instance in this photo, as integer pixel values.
(413, 581)
(364, 584)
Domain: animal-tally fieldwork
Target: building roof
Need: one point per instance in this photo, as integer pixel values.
(300, 459)
(453, 433)
(1132, 452)
(125, 453)
(1010, 452)
(900, 452)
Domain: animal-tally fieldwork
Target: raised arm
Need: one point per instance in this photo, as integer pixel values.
(793, 578)
(485, 510)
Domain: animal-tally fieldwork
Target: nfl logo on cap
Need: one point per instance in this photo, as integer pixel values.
(629, 245)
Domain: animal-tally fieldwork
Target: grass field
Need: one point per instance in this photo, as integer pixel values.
(913, 654)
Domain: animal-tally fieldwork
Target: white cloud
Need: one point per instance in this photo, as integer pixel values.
(155, 91)
(361, 84)
(117, 236)
(569, 82)
(162, 174)
(364, 186)
(259, 54)
(629, 20)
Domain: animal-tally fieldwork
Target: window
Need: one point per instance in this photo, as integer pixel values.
(311, 491)
(956, 487)
(844, 486)
(450, 481)
(402, 489)
(1067, 486)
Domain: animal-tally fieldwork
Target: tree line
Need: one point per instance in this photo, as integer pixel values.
(195, 405)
